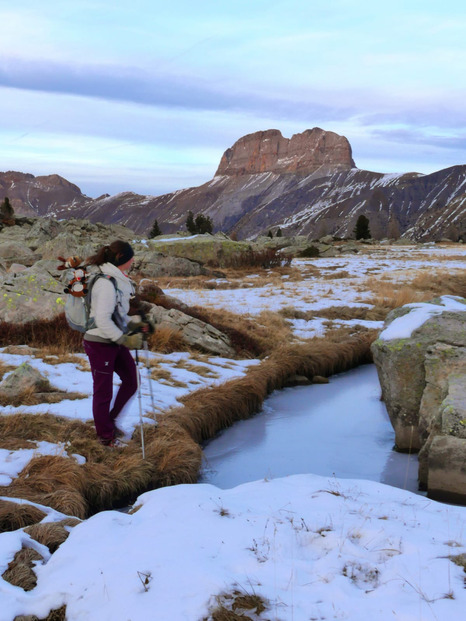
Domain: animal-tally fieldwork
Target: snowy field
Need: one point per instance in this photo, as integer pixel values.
(314, 547)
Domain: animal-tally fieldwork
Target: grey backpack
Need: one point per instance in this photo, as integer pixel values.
(77, 309)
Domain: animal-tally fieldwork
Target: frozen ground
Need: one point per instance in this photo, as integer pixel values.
(315, 547)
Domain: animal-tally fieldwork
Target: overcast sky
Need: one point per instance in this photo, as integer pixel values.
(145, 95)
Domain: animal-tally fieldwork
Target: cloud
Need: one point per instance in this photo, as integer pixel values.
(129, 84)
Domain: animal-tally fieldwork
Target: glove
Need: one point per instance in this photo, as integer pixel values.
(135, 324)
(139, 324)
(149, 326)
(131, 341)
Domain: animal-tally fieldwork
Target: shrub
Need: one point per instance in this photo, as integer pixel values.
(310, 252)
(267, 258)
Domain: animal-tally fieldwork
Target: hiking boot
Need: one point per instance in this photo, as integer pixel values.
(116, 443)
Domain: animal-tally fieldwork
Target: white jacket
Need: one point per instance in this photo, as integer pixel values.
(104, 299)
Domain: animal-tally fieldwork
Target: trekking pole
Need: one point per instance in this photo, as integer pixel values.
(140, 405)
(149, 377)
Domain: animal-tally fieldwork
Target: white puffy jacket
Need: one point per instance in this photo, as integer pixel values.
(104, 300)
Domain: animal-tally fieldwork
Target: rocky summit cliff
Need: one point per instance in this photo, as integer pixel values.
(302, 154)
(305, 185)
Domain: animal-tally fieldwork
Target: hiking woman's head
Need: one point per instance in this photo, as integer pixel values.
(118, 253)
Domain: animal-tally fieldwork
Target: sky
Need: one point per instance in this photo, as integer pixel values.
(145, 96)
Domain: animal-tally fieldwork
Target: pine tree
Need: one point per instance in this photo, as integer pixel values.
(6, 210)
(190, 225)
(361, 230)
(155, 230)
(279, 233)
(270, 234)
(203, 224)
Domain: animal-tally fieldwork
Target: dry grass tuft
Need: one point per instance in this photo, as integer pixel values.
(54, 615)
(15, 515)
(209, 410)
(439, 283)
(51, 333)
(20, 570)
(38, 395)
(165, 340)
(422, 288)
(50, 534)
(112, 478)
(343, 313)
(5, 368)
(235, 606)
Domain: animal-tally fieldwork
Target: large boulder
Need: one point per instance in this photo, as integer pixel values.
(421, 361)
(195, 332)
(155, 264)
(24, 378)
(218, 250)
(30, 294)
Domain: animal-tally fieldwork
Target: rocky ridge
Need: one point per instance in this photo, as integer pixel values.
(306, 185)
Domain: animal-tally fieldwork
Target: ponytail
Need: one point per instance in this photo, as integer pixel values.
(117, 253)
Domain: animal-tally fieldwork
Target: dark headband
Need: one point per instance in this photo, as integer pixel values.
(124, 256)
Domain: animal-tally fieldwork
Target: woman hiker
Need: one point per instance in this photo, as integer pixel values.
(108, 344)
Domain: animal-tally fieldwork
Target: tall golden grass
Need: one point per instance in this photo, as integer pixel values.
(209, 410)
(422, 287)
(111, 478)
(20, 569)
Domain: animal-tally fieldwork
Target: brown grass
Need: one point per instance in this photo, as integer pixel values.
(37, 395)
(50, 534)
(421, 288)
(20, 570)
(209, 410)
(165, 340)
(112, 478)
(51, 333)
(235, 606)
(15, 515)
(338, 312)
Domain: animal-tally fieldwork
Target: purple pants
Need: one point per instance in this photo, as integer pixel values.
(105, 359)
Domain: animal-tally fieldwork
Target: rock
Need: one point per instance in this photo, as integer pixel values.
(156, 264)
(318, 379)
(297, 380)
(13, 250)
(421, 362)
(270, 151)
(446, 469)
(15, 268)
(30, 295)
(24, 378)
(216, 250)
(193, 331)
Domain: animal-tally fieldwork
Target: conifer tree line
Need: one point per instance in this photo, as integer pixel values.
(199, 225)
(361, 230)
(6, 210)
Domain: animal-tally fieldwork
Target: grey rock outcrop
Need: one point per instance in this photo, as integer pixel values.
(23, 378)
(155, 264)
(421, 362)
(194, 332)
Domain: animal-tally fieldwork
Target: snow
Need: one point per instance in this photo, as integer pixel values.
(12, 462)
(402, 327)
(314, 544)
(170, 240)
(314, 547)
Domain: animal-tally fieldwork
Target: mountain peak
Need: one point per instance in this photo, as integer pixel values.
(269, 151)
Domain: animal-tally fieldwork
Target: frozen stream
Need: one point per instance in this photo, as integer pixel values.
(338, 429)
